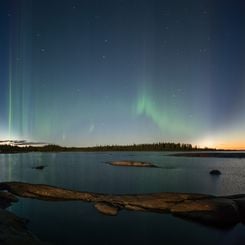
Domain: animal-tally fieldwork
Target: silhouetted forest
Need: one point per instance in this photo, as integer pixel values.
(135, 147)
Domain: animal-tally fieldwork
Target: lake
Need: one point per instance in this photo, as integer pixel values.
(80, 223)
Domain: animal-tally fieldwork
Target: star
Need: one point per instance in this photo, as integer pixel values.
(203, 50)
(38, 34)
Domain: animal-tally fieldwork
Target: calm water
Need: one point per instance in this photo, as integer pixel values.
(80, 223)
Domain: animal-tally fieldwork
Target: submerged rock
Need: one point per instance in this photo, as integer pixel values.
(13, 230)
(41, 167)
(215, 172)
(221, 212)
(132, 164)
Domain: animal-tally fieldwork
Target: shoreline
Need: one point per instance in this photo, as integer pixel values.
(161, 146)
(225, 154)
(178, 152)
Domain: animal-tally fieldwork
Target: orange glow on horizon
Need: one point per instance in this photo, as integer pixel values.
(231, 146)
(228, 142)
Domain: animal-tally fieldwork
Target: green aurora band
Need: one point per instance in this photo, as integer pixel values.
(169, 119)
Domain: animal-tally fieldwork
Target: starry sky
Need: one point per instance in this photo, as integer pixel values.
(91, 72)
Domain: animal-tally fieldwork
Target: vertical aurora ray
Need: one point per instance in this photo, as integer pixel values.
(10, 94)
(19, 72)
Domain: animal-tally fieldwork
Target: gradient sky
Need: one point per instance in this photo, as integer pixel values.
(93, 72)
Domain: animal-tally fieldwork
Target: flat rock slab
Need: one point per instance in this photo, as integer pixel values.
(222, 212)
(132, 164)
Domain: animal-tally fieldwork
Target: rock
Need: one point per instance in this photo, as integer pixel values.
(241, 207)
(132, 164)
(106, 208)
(219, 212)
(193, 206)
(46, 192)
(6, 199)
(41, 167)
(215, 172)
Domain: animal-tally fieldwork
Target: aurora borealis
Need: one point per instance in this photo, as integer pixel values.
(90, 72)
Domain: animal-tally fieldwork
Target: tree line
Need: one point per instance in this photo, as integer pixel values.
(161, 146)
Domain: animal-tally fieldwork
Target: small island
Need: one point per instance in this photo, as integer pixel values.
(132, 164)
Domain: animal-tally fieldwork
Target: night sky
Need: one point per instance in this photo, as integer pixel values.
(90, 72)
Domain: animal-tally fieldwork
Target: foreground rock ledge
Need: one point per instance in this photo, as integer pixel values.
(222, 212)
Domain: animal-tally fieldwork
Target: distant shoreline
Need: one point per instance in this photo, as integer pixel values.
(177, 153)
(237, 154)
(163, 146)
(155, 147)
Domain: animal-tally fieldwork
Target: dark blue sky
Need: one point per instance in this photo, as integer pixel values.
(123, 71)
